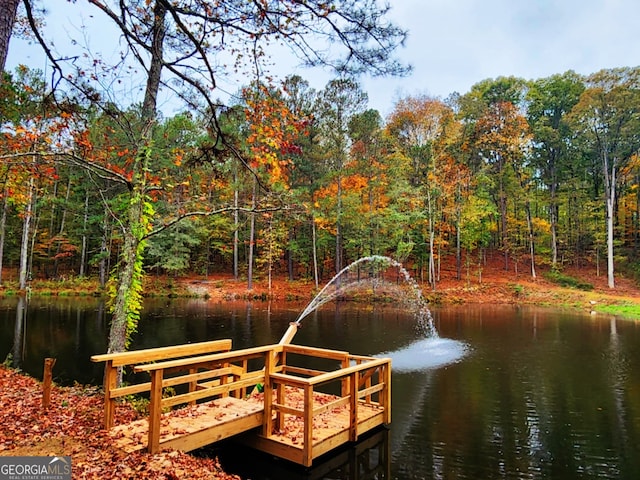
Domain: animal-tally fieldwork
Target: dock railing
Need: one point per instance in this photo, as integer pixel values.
(228, 373)
(344, 382)
(116, 361)
(361, 380)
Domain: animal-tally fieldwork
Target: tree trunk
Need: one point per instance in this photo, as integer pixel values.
(338, 225)
(104, 252)
(252, 233)
(24, 245)
(315, 252)
(503, 228)
(290, 257)
(121, 308)
(553, 218)
(127, 302)
(63, 221)
(532, 249)
(3, 229)
(432, 267)
(458, 253)
(236, 239)
(610, 191)
(8, 11)
(270, 254)
(83, 254)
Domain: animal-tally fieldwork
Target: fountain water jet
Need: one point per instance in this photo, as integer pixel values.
(369, 271)
(428, 351)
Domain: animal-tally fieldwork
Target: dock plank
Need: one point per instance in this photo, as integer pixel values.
(209, 422)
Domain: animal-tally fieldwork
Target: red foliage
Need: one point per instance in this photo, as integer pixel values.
(73, 426)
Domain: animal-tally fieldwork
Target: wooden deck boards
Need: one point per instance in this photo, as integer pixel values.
(195, 426)
(330, 430)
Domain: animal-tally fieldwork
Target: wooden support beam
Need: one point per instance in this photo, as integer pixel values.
(155, 411)
(280, 398)
(267, 421)
(47, 380)
(385, 396)
(110, 383)
(308, 426)
(353, 407)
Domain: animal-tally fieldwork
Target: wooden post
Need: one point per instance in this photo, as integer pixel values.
(193, 385)
(281, 399)
(155, 411)
(46, 382)
(344, 383)
(110, 383)
(386, 393)
(353, 407)
(307, 448)
(267, 419)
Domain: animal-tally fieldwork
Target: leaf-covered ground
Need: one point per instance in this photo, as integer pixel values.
(490, 285)
(72, 426)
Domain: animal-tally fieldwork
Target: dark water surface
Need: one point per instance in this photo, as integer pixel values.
(504, 393)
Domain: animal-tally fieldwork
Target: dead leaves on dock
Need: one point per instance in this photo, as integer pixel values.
(73, 426)
(293, 427)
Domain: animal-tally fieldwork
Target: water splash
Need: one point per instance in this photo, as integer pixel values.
(373, 271)
(426, 354)
(429, 350)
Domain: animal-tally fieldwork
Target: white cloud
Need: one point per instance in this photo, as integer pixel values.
(455, 44)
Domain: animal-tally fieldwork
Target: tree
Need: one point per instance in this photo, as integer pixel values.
(341, 99)
(550, 101)
(424, 128)
(496, 138)
(305, 174)
(373, 235)
(175, 44)
(608, 113)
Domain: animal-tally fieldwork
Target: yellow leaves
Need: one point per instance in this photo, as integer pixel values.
(274, 129)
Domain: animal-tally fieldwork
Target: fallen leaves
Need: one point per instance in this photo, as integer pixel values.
(73, 426)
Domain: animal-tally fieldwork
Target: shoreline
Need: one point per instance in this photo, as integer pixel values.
(496, 288)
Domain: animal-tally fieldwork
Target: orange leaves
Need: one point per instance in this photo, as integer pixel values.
(73, 426)
(273, 131)
(503, 132)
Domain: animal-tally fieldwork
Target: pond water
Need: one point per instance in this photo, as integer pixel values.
(505, 392)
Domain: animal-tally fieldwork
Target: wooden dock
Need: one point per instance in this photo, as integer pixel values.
(299, 413)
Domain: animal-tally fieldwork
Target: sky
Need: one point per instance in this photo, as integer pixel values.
(452, 44)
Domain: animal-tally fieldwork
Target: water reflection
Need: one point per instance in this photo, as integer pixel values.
(539, 394)
(17, 352)
(369, 459)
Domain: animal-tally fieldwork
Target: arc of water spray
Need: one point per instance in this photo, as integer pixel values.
(424, 315)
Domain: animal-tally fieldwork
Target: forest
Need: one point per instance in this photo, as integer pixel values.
(546, 171)
(288, 180)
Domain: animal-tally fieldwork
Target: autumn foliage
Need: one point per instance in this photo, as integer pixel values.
(72, 426)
